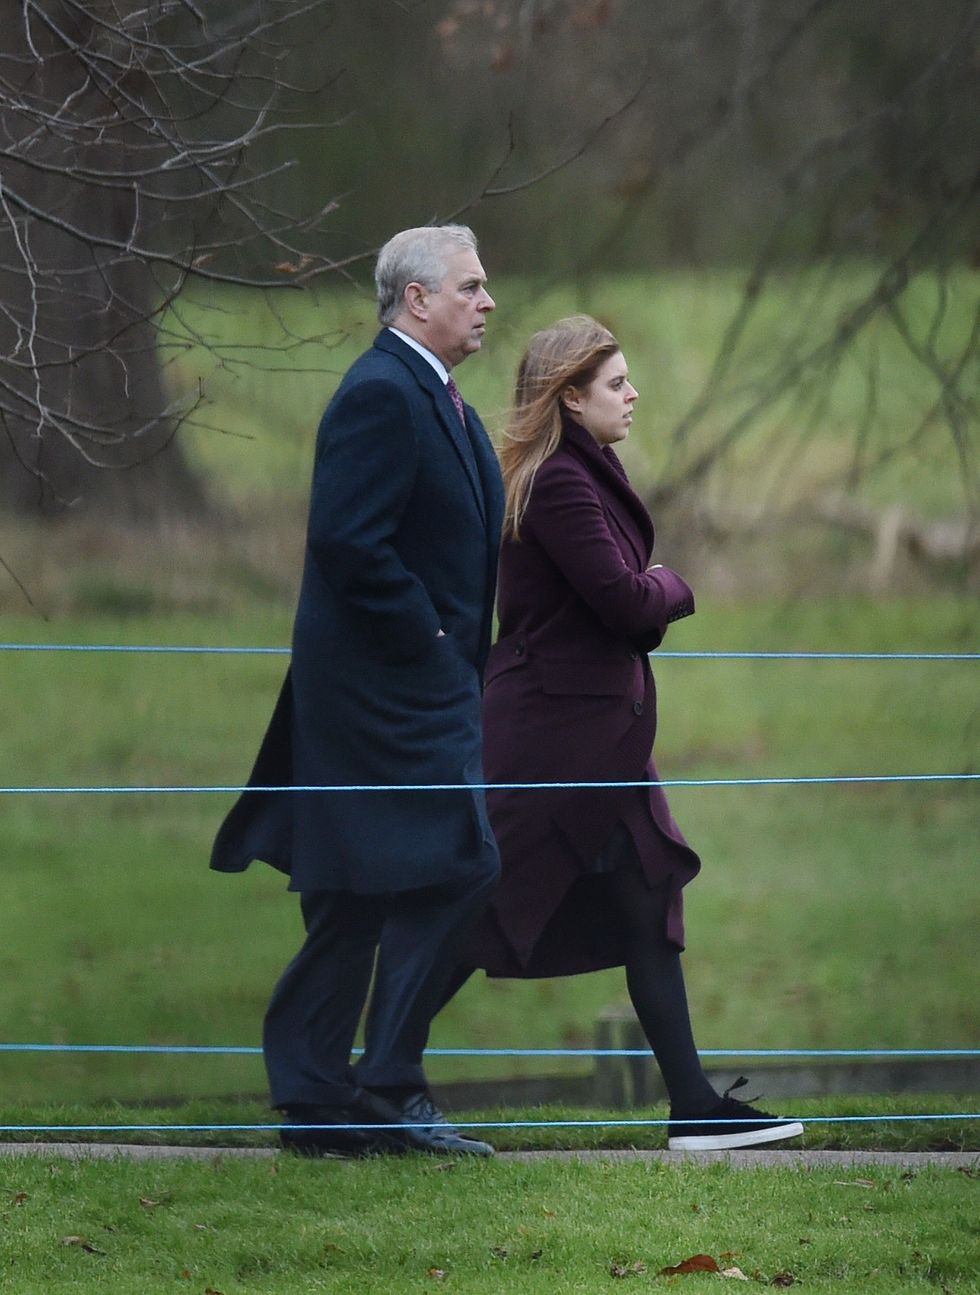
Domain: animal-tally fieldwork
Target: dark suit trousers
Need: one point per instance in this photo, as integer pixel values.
(410, 940)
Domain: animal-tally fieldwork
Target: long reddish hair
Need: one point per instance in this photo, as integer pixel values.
(568, 354)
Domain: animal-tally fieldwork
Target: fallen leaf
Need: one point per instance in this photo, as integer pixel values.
(186, 1274)
(783, 1279)
(854, 1182)
(549, 1214)
(727, 1255)
(20, 1198)
(535, 1254)
(293, 267)
(437, 1274)
(696, 1264)
(499, 1252)
(199, 1227)
(445, 1166)
(210, 1290)
(695, 1208)
(734, 1272)
(148, 1204)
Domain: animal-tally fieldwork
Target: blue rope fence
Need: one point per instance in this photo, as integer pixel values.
(234, 1050)
(180, 1049)
(828, 780)
(203, 650)
(606, 1122)
(463, 1124)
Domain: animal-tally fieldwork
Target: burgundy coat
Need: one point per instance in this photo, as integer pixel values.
(570, 697)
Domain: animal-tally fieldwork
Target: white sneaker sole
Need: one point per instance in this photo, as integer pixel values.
(722, 1141)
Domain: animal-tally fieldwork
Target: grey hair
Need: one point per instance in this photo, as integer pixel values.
(416, 256)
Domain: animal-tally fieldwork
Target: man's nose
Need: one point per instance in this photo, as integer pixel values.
(488, 302)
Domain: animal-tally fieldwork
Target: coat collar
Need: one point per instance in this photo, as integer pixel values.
(430, 381)
(430, 357)
(603, 462)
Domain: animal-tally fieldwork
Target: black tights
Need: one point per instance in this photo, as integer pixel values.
(654, 976)
(655, 980)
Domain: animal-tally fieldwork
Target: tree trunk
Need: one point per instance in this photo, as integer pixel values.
(85, 426)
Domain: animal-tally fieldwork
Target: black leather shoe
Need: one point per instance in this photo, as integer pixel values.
(331, 1138)
(423, 1127)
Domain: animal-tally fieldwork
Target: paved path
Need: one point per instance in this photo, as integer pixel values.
(737, 1159)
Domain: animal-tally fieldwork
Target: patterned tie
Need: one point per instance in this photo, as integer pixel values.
(456, 398)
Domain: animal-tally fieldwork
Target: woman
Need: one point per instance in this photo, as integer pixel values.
(591, 877)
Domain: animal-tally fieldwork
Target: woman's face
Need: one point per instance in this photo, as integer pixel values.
(605, 407)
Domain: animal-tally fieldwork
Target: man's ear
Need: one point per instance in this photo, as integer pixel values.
(417, 300)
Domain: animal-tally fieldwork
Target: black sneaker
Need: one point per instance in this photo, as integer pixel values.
(728, 1125)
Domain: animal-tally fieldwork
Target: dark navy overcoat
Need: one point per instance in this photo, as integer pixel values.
(403, 536)
(570, 697)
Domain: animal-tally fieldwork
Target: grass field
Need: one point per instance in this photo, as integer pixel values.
(876, 1122)
(824, 916)
(865, 419)
(294, 1228)
(868, 409)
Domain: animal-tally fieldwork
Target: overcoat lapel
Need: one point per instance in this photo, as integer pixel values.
(621, 502)
(448, 419)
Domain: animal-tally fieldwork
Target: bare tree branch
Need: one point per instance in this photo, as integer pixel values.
(127, 133)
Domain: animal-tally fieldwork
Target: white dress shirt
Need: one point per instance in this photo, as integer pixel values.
(434, 360)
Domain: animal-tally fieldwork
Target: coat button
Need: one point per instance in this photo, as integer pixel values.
(518, 649)
(638, 708)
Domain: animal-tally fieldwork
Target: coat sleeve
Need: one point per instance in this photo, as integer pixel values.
(566, 518)
(367, 460)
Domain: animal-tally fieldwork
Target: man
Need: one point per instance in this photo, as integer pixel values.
(391, 635)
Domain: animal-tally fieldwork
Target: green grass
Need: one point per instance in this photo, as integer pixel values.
(289, 1227)
(880, 1122)
(824, 916)
(838, 916)
(258, 371)
(270, 371)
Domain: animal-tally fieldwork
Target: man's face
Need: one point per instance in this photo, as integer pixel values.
(455, 316)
